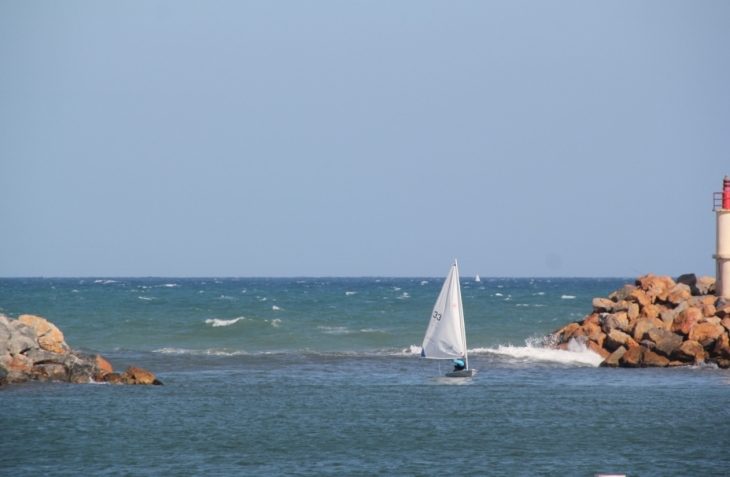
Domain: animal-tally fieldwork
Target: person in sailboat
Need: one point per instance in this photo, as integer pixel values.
(459, 365)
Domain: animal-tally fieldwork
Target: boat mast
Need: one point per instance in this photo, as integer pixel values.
(461, 316)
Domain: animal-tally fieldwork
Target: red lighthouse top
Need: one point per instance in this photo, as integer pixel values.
(722, 199)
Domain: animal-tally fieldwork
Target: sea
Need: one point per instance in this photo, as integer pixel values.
(323, 376)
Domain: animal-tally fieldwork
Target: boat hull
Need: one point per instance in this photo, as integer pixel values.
(464, 373)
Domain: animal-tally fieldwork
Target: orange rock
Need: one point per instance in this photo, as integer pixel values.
(654, 360)
(722, 347)
(632, 312)
(649, 311)
(685, 321)
(19, 362)
(135, 375)
(564, 334)
(40, 325)
(597, 349)
(690, 350)
(592, 318)
(708, 310)
(679, 294)
(706, 331)
(633, 357)
(49, 344)
(642, 325)
(726, 323)
(103, 365)
(640, 297)
(113, 378)
(601, 305)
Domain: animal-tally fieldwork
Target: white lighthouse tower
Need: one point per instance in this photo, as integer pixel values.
(721, 206)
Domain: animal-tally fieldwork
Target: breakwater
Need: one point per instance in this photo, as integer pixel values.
(655, 322)
(33, 349)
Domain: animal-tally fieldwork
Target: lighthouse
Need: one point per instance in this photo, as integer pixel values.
(721, 206)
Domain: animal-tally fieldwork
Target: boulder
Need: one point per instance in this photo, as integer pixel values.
(686, 320)
(665, 342)
(80, 372)
(655, 287)
(49, 344)
(649, 311)
(601, 305)
(623, 293)
(5, 334)
(632, 358)
(708, 310)
(19, 362)
(654, 360)
(632, 312)
(726, 323)
(49, 372)
(723, 309)
(705, 285)
(48, 335)
(712, 319)
(689, 279)
(563, 334)
(613, 360)
(113, 378)
(615, 339)
(20, 342)
(678, 294)
(642, 325)
(39, 356)
(596, 348)
(621, 305)
(135, 375)
(640, 297)
(705, 332)
(690, 351)
(594, 318)
(613, 321)
(722, 347)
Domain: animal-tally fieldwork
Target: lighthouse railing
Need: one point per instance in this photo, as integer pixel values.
(717, 201)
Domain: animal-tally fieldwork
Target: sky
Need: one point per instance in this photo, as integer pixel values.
(379, 138)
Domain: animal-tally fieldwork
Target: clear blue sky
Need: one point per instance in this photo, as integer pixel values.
(169, 138)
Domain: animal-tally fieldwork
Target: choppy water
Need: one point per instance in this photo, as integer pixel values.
(322, 377)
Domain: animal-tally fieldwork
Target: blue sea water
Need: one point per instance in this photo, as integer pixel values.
(322, 376)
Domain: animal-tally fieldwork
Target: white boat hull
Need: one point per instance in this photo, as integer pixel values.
(464, 373)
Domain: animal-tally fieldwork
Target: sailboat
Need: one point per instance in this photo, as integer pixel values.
(446, 337)
(477, 279)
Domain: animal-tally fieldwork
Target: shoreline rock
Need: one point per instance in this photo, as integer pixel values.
(34, 349)
(656, 322)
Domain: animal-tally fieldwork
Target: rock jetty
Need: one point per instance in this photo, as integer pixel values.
(656, 321)
(33, 349)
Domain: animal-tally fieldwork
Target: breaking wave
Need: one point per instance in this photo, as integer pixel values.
(576, 354)
(216, 322)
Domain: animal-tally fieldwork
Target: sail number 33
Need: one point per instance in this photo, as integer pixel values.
(437, 315)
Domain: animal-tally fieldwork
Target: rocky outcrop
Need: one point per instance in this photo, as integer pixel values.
(655, 322)
(34, 349)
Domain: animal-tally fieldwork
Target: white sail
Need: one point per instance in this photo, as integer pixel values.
(445, 338)
(477, 279)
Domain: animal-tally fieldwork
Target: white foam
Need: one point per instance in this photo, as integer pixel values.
(276, 322)
(404, 295)
(210, 352)
(275, 308)
(396, 288)
(146, 298)
(497, 294)
(170, 285)
(424, 282)
(415, 350)
(567, 297)
(224, 297)
(74, 291)
(350, 293)
(334, 330)
(216, 322)
(576, 354)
